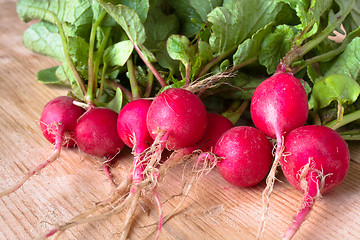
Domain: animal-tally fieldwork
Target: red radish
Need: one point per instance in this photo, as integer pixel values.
(317, 160)
(96, 133)
(216, 126)
(176, 119)
(279, 104)
(246, 156)
(180, 114)
(57, 123)
(132, 129)
(131, 124)
(59, 117)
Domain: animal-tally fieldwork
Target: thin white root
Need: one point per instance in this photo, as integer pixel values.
(55, 155)
(270, 180)
(129, 216)
(213, 81)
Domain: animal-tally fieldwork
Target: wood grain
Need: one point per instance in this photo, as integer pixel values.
(213, 210)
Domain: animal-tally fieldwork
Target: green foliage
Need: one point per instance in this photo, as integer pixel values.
(189, 40)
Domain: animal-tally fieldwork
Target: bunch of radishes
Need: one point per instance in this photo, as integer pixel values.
(316, 159)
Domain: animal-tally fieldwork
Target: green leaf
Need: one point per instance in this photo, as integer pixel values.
(77, 13)
(49, 76)
(312, 74)
(67, 74)
(79, 52)
(352, 21)
(240, 87)
(44, 38)
(140, 6)
(275, 46)
(337, 87)
(188, 16)
(61, 75)
(348, 62)
(149, 56)
(119, 53)
(28, 10)
(205, 51)
(309, 13)
(204, 7)
(158, 27)
(180, 48)
(238, 20)
(128, 19)
(250, 48)
(116, 103)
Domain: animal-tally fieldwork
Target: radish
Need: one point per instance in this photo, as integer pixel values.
(278, 105)
(180, 115)
(96, 134)
(57, 123)
(176, 119)
(317, 160)
(132, 129)
(216, 126)
(246, 156)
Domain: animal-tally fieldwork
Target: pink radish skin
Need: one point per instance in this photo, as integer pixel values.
(180, 114)
(279, 104)
(132, 129)
(216, 126)
(131, 124)
(96, 133)
(59, 117)
(247, 156)
(176, 119)
(57, 123)
(317, 160)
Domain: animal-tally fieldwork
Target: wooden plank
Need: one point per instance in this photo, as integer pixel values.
(213, 210)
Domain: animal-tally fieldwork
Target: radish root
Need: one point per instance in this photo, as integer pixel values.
(312, 181)
(270, 180)
(55, 155)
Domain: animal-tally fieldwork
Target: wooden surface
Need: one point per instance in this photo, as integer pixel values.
(214, 209)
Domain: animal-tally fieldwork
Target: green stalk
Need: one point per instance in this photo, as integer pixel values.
(187, 74)
(346, 119)
(125, 91)
(149, 84)
(100, 56)
(91, 81)
(350, 135)
(149, 64)
(135, 89)
(102, 82)
(298, 53)
(237, 67)
(69, 61)
(328, 55)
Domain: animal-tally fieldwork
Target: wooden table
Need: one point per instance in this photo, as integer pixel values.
(213, 210)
